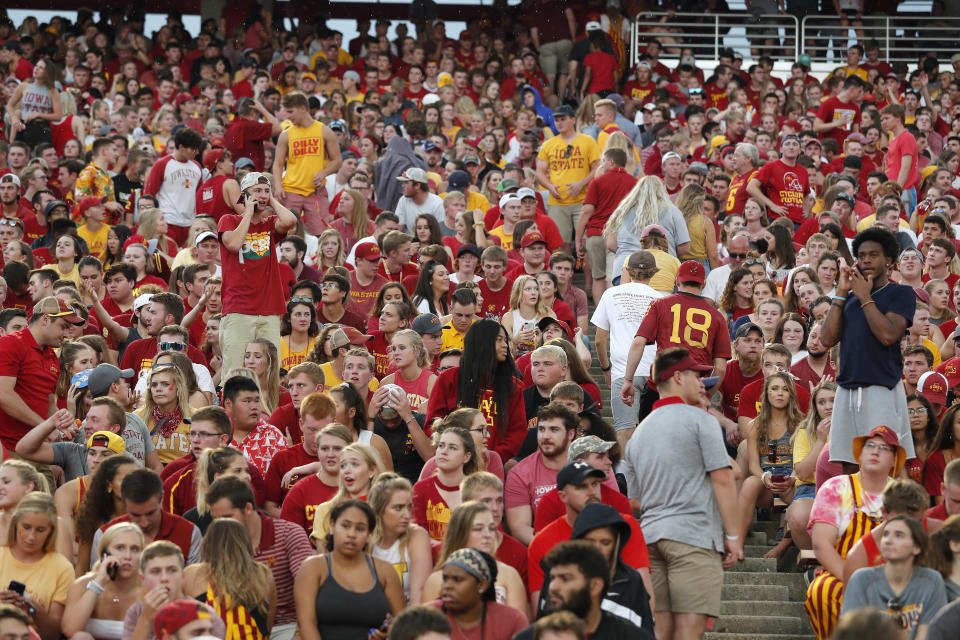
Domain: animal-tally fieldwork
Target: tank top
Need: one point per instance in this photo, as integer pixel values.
(698, 240)
(81, 491)
(347, 615)
(210, 198)
(241, 624)
(36, 99)
(61, 132)
(518, 322)
(290, 358)
(400, 562)
(416, 390)
(776, 456)
(305, 157)
(365, 436)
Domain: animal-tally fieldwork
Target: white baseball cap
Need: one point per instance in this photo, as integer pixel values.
(508, 198)
(252, 178)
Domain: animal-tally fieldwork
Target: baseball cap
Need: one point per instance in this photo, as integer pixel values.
(141, 301)
(587, 444)
(212, 157)
(308, 76)
(471, 158)
(429, 145)
(933, 386)
(248, 62)
(653, 228)
(670, 155)
(644, 64)
(109, 440)
(107, 129)
(846, 197)
(458, 180)
(203, 235)
(347, 335)
(564, 110)
(426, 323)
(368, 251)
(593, 25)
(104, 375)
(242, 163)
(687, 364)
(506, 184)
(471, 249)
(746, 328)
(889, 437)
(430, 98)
(81, 378)
(691, 271)
(174, 616)
(507, 198)
(546, 321)
(254, 178)
(576, 473)
(642, 259)
(86, 204)
(183, 97)
(531, 238)
(951, 368)
(353, 75)
(8, 178)
(57, 308)
(526, 192)
(413, 174)
(53, 205)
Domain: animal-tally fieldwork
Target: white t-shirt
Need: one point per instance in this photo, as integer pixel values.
(717, 282)
(177, 193)
(620, 311)
(333, 187)
(408, 210)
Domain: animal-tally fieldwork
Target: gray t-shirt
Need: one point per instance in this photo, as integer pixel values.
(668, 461)
(408, 210)
(628, 241)
(137, 439)
(945, 624)
(72, 458)
(919, 602)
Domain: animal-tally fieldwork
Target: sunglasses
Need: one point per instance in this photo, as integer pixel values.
(10, 222)
(568, 151)
(303, 300)
(753, 261)
(738, 256)
(171, 346)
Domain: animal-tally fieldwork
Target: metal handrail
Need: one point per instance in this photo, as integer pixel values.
(901, 37)
(650, 20)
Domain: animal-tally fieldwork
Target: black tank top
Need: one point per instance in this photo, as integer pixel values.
(347, 615)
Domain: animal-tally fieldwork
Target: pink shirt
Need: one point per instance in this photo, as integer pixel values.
(528, 482)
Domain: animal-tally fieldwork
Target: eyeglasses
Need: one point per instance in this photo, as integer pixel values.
(873, 446)
(919, 411)
(172, 346)
(484, 431)
(303, 300)
(198, 435)
(738, 256)
(327, 285)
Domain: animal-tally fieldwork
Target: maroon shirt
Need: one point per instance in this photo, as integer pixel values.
(35, 370)
(244, 139)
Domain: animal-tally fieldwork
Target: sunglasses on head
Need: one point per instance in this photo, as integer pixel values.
(9, 222)
(171, 346)
(753, 261)
(303, 300)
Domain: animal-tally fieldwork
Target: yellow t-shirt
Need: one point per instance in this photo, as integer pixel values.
(475, 200)
(506, 239)
(801, 449)
(569, 163)
(73, 275)
(175, 445)
(47, 581)
(666, 278)
(331, 380)
(290, 359)
(344, 59)
(305, 157)
(96, 242)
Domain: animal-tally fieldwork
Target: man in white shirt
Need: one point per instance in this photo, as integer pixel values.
(617, 317)
(417, 199)
(337, 182)
(717, 278)
(173, 180)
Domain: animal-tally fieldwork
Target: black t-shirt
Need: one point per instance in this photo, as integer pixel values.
(124, 187)
(611, 627)
(406, 461)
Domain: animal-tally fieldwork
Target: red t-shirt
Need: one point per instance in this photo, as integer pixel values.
(362, 298)
(833, 109)
(807, 377)
(605, 193)
(302, 501)
(379, 348)
(750, 399)
(35, 370)
(430, 510)
(286, 419)
(251, 277)
(903, 145)
(686, 320)
(21, 301)
(733, 383)
(786, 186)
(602, 66)
(639, 92)
(140, 353)
(737, 195)
(495, 303)
(408, 269)
(551, 507)
(282, 462)
(716, 96)
(210, 198)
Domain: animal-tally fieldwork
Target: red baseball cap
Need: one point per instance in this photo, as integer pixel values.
(692, 271)
(212, 158)
(86, 204)
(531, 237)
(951, 371)
(687, 364)
(174, 616)
(933, 386)
(183, 97)
(134, 239)
(368, 251)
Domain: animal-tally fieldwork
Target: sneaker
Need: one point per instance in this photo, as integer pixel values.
(809, 575)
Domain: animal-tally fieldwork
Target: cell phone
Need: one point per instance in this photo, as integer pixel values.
(778, 477)
(17, 586)
(529, 326)
(152, 245)
(111, 570)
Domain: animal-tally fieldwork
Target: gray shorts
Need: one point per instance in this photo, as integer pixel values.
(625, 417)
(554, 57)
(857, 411)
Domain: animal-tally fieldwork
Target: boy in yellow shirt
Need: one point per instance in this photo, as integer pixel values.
(94, 229)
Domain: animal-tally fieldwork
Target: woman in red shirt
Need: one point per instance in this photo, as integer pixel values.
(435, 498)
(413, 374)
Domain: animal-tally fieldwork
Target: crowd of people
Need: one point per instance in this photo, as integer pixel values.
(290, 341)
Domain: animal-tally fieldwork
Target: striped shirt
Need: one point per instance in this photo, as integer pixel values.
(283, 547)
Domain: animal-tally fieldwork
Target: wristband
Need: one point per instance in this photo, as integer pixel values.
(732, 538)
(868, 302)
(96, 588)
(607, 368)
(840, 298)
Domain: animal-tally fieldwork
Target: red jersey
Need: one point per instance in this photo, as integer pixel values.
(251, 277)
(363, 297)
(833, 109)
(716, 96)
(430, 510)
(379, 348)
(495, 303)
(750, 399)
(302, 501)
(733, 383)
(737, 195)
(786, 186)
(210, 198)
(639, 92)
(408, 269)
(686, 320)
(605, 193)
(416, 390)
(282, 462)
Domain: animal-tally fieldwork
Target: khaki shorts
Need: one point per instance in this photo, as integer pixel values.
(239, 329)
(554, 57)
(566, 216)
(597, 252)
(686, 579)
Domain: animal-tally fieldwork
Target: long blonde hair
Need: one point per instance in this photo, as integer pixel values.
(381, 493)
(35, 502)
(183, 394)
(358, 218)
(270, 387)
(648, 197)
(333, 233)
(110, 534)
(149, 220)
(459, 528)
(542, 309)
(689, 201)
(619, 140)
(211, 463)
(233, 572)
(813, 418)
(28, 474)
(370, 456)
(416, 343)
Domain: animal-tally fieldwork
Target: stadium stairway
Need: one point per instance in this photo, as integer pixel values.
(759, 602)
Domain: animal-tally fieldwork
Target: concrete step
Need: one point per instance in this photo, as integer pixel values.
(792, 581)
(757, 538)
(712, 635)
(760, 624)
(784, 608)
(755, 565)
(756, 550)
(733, 593)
